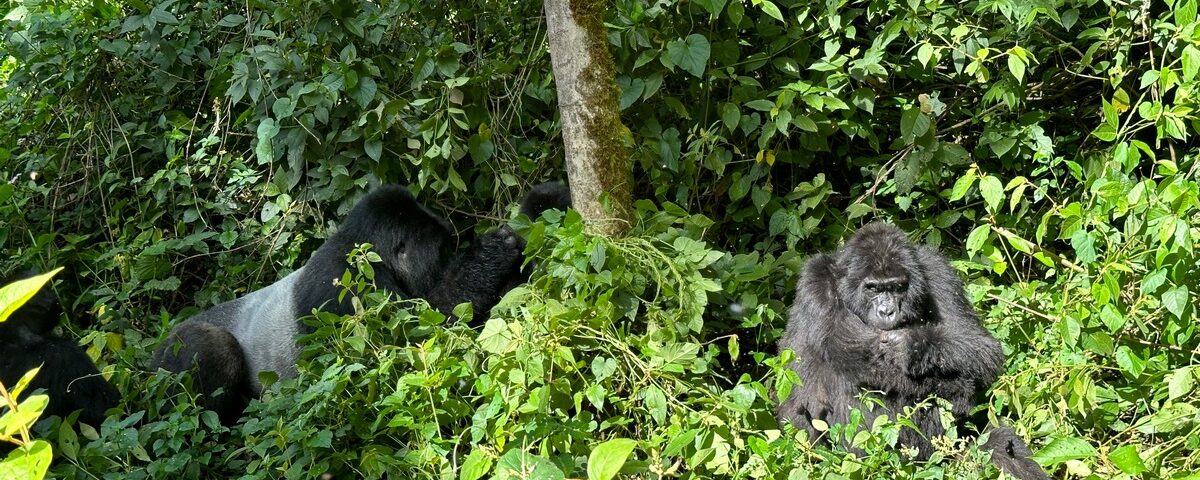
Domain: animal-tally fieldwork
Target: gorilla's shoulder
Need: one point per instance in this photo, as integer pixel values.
(818, 276)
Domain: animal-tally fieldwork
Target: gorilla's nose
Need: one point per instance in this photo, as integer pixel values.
(886, 311)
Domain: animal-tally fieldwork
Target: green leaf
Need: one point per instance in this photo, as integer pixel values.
(770, 9)
(231, 20)
(713, 7)
(656, 402)
(730, 114)
(374, 148)
(27, 462)
(1016, 66)
(1085, 248)
(1127, 459)
(1062, 449)
(15, 294)
(925, 54)
(495, 337)
(283, 107)
(476, 465)
(1129, 361)
(607, 458)
(1176, 300)
(962, 185)
(267, 129)
(1181, 382)
(690, 54)
(993, 192)
(805, 123)
(365, 93)
(977, 237)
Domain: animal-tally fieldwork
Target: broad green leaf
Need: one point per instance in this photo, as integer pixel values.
(1181, 382)
(30, 462)
(28, 412)
(690, 54)
(1127, 459)
(283, 107)
(962, 185)
(1176, 300)
(1016, 66)
(713, 7)
(15, 294)
(925, 53)
(992, 191)
(476, 465)
(656, 403)
(1062, 449)
(267, 129)
(977, 237)
(1085, 248)
(495, 337)
(771, 9)
(608, 458)
(730, 115)
(1129, 361)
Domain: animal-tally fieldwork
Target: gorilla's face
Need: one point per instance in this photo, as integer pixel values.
(881, 299)
(882, 282)
(417, 258)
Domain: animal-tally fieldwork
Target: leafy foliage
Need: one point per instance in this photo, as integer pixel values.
(173, 155)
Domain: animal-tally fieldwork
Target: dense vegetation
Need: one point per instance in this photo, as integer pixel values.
(172, 155)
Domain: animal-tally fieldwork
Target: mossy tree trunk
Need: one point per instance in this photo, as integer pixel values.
(598, 164)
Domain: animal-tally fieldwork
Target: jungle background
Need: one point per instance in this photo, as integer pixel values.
(171, 155)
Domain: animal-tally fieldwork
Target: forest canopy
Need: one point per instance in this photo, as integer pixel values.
(170, 156)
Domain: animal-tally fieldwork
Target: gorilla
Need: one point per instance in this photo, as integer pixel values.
(491, 254)
(227, 346)
(68, 375)
(887, 316)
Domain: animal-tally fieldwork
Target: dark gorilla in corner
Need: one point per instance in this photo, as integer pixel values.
(885, 315)
(228, 345)
(68, 375)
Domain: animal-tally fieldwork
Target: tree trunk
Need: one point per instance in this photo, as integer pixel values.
(592, 133)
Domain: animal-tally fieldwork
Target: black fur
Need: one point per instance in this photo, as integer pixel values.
(227, 346)
(68, 375)
(912, 334)
(493, 266)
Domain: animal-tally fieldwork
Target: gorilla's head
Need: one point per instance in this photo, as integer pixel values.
(413, 242)
(881, 279)
(546, 196)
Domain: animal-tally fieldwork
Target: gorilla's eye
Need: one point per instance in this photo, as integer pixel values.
(871, 287)
(401, 248)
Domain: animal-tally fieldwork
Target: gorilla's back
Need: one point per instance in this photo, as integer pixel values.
(264, 323)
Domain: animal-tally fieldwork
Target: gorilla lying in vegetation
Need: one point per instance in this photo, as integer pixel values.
(68, 375)
(885, 315)
(228, 345)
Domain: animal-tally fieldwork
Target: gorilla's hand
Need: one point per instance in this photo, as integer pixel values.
(502, 248)
(908, 350)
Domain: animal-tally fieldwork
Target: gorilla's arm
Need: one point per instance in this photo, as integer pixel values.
(838, 353)
(952, 346)
(477, 275)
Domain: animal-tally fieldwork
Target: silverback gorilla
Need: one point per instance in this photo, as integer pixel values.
(228, 345)
(68, 375)
(885, 315)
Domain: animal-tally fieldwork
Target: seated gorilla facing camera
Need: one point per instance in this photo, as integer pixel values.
(227, 346)
(887, 316)
(67, 374)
